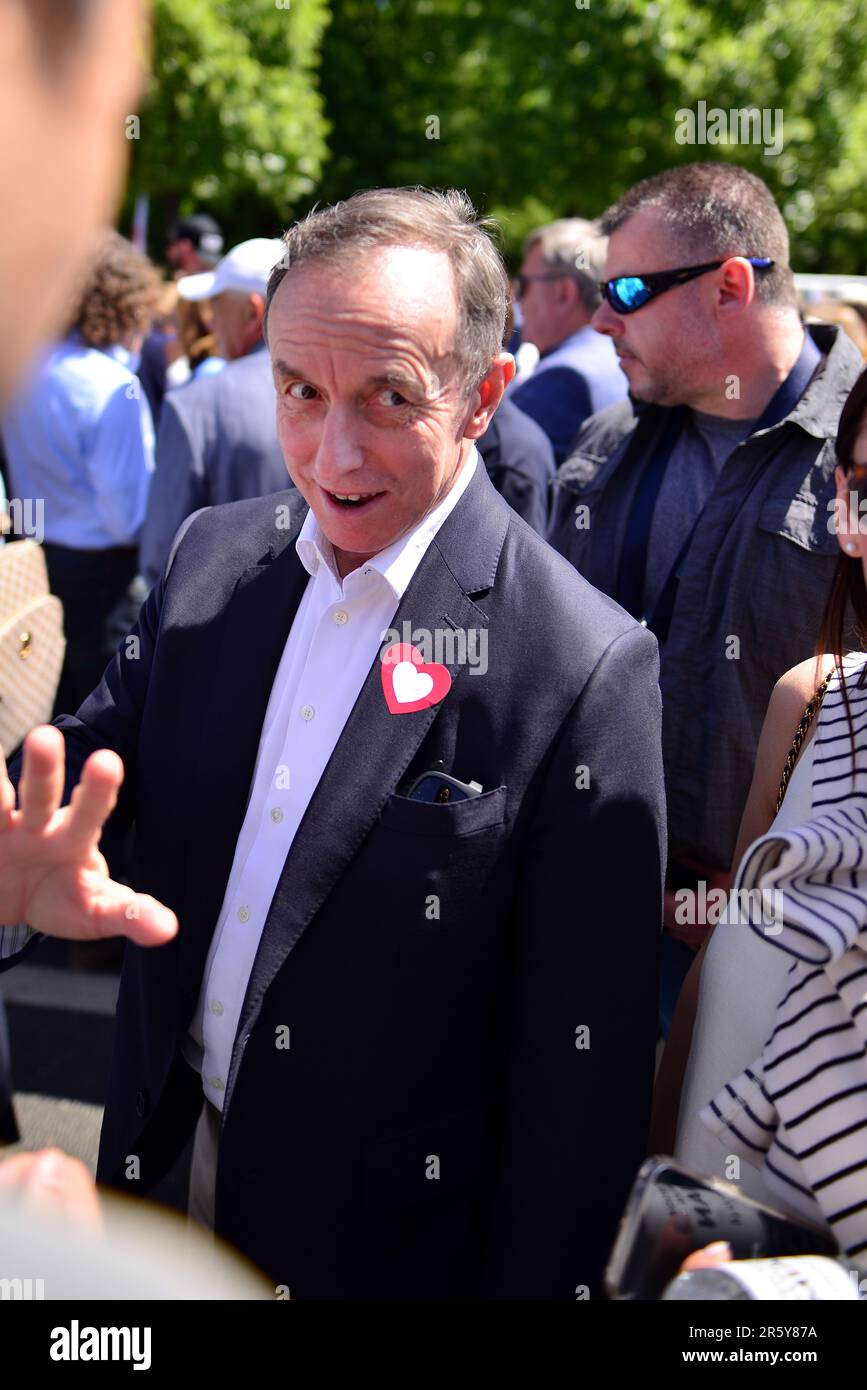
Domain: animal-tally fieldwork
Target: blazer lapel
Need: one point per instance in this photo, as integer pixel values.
(376, 747)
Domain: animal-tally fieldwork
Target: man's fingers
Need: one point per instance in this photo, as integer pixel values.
(118, 911)
(41, 786)
(149, 923)
(95, 797)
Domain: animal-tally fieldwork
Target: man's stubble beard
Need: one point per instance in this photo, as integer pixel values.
(675, 383)
(657, 390)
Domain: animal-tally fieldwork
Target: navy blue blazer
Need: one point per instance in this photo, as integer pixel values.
(520, 462)
(465, 1097)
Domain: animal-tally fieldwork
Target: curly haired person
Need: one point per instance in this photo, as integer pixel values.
(79, 437)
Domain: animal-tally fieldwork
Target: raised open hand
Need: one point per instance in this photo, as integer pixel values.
(52, 875)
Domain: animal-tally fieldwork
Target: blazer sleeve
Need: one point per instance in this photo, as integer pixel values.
(583, 1027)
(179, 485)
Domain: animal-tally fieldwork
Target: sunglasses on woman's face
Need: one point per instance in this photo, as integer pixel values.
(626, 293)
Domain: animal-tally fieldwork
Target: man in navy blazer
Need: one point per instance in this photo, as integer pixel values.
(417, 1046)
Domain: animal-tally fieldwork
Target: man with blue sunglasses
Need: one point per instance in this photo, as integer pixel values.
(627, 293)
(701, 503)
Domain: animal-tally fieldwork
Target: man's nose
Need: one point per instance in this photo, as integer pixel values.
(340, 451)
(605, 320)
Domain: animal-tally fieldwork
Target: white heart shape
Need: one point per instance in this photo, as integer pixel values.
(410, 683)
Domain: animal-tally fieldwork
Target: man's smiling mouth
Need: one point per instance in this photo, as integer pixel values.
(351, 499)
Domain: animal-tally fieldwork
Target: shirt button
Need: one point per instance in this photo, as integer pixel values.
(243, 914)
(216, 1007)
(215, 1083)
(340, 616)
(308, 712)
(276, 815)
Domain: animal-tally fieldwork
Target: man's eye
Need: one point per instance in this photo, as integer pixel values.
(298, 389)
(389, 396)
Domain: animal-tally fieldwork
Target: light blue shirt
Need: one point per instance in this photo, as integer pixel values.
(79, 436)
(210, 367)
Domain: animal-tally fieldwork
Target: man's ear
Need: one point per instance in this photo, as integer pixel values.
(566, 293)
(737, 286)
(489, 394)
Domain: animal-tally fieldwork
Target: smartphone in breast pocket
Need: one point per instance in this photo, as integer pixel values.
(439, 787)
(672, 1212)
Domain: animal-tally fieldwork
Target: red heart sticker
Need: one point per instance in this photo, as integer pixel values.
(409, 682)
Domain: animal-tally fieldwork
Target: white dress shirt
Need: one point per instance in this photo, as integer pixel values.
(335, 636)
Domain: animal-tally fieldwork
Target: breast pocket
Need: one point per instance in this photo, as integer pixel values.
(802, 520)
(434, 819)
(779, 597)
(445, 875)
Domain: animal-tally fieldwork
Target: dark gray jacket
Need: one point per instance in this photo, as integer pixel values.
(520, 462)
(758, 571)
(217, 442)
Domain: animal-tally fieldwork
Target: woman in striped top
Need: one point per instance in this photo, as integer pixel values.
(773, 1016)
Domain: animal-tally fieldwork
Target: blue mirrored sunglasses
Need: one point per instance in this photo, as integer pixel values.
(626, 293)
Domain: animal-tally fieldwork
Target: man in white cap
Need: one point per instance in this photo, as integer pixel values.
(217, 439)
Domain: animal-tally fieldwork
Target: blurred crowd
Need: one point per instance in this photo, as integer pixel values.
(108, 431)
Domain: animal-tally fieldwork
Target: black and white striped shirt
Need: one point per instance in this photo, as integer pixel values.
(799, 1113)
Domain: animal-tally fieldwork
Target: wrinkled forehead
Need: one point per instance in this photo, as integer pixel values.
(402, 295)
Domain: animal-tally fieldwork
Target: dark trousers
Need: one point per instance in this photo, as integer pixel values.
(89, 584)
(674, 967)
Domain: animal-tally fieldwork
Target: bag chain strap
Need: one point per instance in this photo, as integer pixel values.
(800, 734)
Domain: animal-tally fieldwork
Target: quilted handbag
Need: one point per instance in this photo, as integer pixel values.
(32, 645)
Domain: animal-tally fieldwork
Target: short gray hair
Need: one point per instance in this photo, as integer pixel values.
(424, 217)
(575, 245)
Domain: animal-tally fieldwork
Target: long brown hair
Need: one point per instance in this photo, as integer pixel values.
(848, 590)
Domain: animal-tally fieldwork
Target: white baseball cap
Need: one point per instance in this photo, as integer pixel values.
(246, 268)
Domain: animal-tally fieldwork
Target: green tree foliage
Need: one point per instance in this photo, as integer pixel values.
(548, 109)
(233, 122)
(539, 109)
